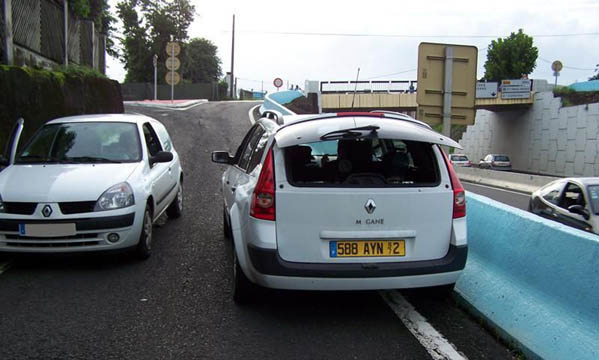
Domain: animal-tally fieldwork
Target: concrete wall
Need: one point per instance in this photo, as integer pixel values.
(534, 279)
(546, 138)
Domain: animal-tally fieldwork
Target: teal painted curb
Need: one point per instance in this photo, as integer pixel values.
(534, 279)
(274, 100)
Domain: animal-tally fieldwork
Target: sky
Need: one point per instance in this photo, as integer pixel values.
(310, 40)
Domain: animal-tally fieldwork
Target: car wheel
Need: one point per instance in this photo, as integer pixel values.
(175, 209)
(244, 291)
(530, 205)
(144, 247)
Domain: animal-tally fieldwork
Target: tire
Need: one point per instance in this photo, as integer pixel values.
(175, 209)
(143, 250)
(244, 291)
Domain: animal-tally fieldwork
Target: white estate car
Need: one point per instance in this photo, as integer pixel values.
(89, 182)
(346, 201)
(571, 201)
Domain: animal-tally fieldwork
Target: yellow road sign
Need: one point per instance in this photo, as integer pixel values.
(173, 48)
(431, 74)
(172, 78)
(173, 63)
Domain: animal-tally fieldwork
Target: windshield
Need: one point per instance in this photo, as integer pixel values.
(89, 142)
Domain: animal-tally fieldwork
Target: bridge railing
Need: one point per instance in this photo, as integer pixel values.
(368, 86)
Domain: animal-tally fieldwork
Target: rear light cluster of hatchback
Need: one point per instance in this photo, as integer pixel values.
(459, 195)
(263, 199)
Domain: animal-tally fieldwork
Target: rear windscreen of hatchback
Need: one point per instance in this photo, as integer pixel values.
(362, 162)
(501, 158)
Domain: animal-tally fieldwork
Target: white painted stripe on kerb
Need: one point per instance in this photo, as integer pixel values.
(436, 345)
(4, 267)
(251, 114)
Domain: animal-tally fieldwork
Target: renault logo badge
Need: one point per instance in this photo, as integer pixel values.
(370, 206)
(47, 211)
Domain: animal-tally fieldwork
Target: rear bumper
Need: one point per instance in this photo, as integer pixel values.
(268, 262)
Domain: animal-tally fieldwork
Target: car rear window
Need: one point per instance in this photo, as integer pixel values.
(459, 158)
(363, 162)
(501, 158)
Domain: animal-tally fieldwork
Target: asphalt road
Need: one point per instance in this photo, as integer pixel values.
(512, 198)
(178, 305)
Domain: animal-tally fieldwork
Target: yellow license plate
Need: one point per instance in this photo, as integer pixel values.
(367, 248)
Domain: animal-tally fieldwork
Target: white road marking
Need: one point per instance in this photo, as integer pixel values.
(436, 345)
(4, 267)
(498, 189)
(169, 108)
(251, 114)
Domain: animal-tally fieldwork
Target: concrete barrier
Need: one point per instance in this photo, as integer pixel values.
(274, 100)
(504, 179)
(535, 280)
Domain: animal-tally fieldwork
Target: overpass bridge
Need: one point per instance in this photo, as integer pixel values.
(395, 95)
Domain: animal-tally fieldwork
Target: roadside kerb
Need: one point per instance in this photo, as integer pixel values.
(534, 280)
(166, 103)
(275, 100)
(504, 179)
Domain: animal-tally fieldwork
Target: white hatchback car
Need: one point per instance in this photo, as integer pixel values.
(346, 201)
(89, 182)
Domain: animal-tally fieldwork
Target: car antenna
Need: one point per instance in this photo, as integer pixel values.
(355, 89)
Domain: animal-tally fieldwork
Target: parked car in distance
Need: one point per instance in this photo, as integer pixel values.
(345, 201)
(495, 162)
(571, 201)
(89, 183)
(460, 160)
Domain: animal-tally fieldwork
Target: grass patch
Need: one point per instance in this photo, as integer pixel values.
(570, 97)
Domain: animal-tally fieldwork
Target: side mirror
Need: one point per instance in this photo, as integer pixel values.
(161, 157)
(222, 157)
(580, 210)
(3, 161)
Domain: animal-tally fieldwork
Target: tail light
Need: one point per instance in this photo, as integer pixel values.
(492, 163)
(459, 195)
(263, 199)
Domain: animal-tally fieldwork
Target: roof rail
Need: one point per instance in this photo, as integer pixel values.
(273, 115)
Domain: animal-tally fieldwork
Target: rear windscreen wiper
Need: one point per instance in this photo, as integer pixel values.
(351, 133)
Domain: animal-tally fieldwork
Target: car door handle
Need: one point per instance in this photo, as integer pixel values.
(227, 182)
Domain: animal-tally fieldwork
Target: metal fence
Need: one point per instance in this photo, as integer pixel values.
(378, 86)
(38, 27)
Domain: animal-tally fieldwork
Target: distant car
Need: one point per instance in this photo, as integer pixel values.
(495, 162)
(460, 160)
(89, 183)
(571, 201)
(345, 201)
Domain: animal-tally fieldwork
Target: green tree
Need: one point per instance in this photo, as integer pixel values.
(200, 62)
(510, 57)
(147, 27)
(596, 76)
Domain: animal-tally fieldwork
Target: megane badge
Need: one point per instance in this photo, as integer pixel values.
(47, 211)
(370, 206)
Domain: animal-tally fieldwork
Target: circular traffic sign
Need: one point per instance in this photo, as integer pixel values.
(173, 63)
(173, 48)
(557, 66)
(172, 78)
(278, 82)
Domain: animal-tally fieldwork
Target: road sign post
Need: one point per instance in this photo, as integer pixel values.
(172, 63)
(155, 63)
(447, 91)
(556, 66)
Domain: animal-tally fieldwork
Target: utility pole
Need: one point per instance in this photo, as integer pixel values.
(65, 5)
(155, 62)
(232, 58)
